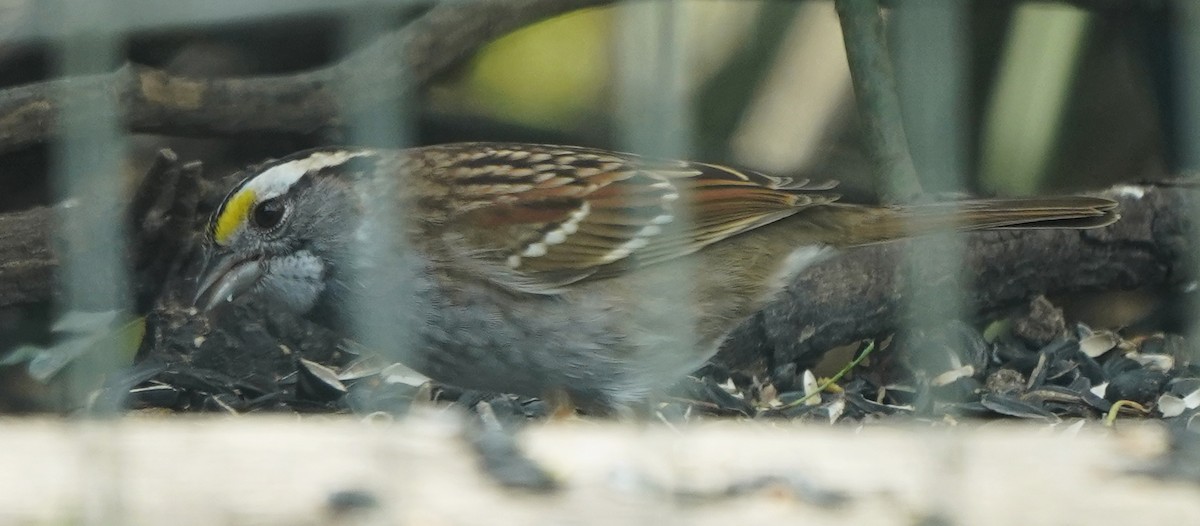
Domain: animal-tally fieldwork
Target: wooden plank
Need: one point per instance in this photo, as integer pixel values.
(283, 471)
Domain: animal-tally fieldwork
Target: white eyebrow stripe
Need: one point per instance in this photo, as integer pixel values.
(276, 180)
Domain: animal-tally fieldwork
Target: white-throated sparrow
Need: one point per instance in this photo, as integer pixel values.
(537, 269)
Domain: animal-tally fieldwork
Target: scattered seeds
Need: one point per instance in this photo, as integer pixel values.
(1096, 345)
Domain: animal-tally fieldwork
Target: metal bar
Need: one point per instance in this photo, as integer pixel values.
(384, 125)
(653, 109)
(931, 71)
(930, 54)
(378, 305)
(1187, 142)
(88, 183)
(653, 118)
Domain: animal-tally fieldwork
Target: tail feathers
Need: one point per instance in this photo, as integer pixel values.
(1071, 212)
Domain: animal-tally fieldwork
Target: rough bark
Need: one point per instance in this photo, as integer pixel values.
(27, 261)
(153, 101)
(861, 294)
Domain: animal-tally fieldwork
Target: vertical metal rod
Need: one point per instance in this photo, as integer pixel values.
(1186, 32)
(931, 73)
(87, 179)
(382, 125)
(88, 185)
(932, 76)
(653, 118)
(930, 57)
(653, 106)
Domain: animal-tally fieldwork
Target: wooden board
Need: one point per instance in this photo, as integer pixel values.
(179, 471)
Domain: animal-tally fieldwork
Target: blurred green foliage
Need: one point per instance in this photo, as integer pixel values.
(552, 74)
(1056, 98)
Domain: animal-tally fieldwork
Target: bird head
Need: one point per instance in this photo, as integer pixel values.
(282, 231)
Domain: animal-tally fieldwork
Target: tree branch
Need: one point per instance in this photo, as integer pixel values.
(27, 260)
(878, 104)
(153, 101)
(860, 294)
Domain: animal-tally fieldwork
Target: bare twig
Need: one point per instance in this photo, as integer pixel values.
(878, 103)
(302, 103)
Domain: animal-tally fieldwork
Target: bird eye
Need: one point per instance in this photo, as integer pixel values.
(268, 214)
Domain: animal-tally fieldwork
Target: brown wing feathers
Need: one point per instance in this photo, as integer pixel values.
(884, 224)
(576, 208)
(553, 209)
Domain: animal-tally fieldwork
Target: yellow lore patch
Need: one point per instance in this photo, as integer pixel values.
(234, 213)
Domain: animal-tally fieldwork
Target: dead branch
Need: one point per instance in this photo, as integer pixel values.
(153, 101)
(27, 260)
(860, 295)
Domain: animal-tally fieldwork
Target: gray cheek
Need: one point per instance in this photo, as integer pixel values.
(294, 281)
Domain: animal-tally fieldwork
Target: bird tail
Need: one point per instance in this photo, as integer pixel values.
(1069, 212)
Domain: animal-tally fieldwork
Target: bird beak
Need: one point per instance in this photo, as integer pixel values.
(224, 278)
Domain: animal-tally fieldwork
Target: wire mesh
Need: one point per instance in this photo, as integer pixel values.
(654, 115)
